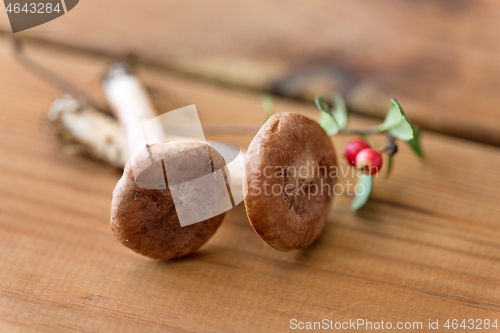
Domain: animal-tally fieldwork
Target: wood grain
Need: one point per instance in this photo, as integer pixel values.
(427, 246)
(440, 59)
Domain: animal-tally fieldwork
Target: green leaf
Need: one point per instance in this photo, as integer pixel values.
(415, 142)
(403, 131)
(396, 123)
(389, 166)
(268, 106)
(364, 187)
(393, 117)
(340, 111)
(328, 123)
(321, 104)
(326, 119)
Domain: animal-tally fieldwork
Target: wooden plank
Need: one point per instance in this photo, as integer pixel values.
(425, 247)
(440, 59)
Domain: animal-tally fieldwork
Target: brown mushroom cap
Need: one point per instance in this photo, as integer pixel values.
(146, 220)
(285, 145)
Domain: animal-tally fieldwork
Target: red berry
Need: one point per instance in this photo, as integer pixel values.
(353, 148)
(369, 160)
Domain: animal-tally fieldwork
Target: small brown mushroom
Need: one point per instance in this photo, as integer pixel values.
(290, 189)
(146, 220)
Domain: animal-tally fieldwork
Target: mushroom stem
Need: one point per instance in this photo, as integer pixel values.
(130, 102)
(83, 129)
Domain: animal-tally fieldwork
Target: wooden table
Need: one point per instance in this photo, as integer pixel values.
(440, 59)
(426, 246)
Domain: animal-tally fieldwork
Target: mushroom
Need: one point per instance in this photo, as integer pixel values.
(146, 220)
(145, 209)
(288, 177)
(287, 168)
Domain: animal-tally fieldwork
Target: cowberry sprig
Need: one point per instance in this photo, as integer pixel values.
(360, 152)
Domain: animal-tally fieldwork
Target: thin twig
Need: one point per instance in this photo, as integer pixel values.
(238, 129)
(391, 147)
(55, 79)
(364, 131)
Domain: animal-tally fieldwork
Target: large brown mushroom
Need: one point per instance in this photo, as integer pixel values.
(146, 220)
(289, 166)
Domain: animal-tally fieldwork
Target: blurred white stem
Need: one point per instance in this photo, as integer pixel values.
(85, 130)
(130, 102)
